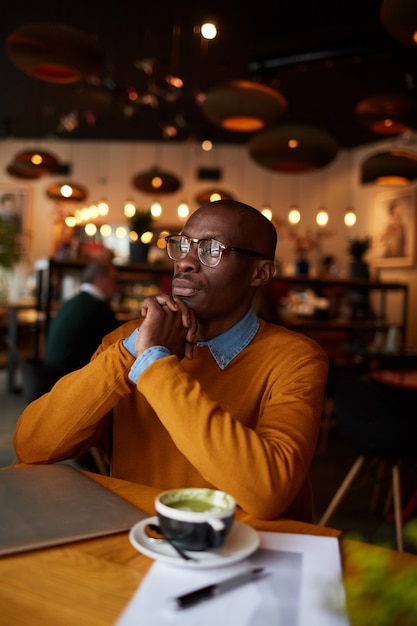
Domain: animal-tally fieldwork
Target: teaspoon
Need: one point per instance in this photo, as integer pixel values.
(156, 530)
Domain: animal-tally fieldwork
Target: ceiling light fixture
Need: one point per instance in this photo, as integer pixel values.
(32, 164)
(388, 114)
(399, 17)
(393, 167)
(156, 181)
(243, 106)
(70, 192)
(212, 195)
(54, 53)
(293, 148)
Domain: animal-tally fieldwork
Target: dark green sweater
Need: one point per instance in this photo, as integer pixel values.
(77, 330)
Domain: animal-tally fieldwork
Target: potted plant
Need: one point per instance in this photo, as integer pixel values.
(139, 224)
(10, 251)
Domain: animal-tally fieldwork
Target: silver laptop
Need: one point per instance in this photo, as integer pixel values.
(46, 505)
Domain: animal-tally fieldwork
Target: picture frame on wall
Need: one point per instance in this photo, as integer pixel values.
(394, 225)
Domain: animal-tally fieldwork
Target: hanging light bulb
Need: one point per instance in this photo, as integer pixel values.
(267, 212)
(70, 221)
(350, 218)
(90, 229)
(322, 217)
(129, 209)
(94, 213)
(208, 30)
(156, 209)
(183, 210)
(294, 216)
(103, 208)
(105, 230)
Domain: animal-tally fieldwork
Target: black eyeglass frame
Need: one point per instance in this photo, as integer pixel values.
(222, 246)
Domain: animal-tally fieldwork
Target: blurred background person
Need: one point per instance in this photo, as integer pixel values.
(82, 321)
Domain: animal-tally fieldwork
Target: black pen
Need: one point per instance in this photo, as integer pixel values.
(210, 591)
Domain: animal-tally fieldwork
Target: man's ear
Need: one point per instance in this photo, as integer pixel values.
(263, 272)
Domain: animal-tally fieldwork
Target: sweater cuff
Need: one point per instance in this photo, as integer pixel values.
(145, 359)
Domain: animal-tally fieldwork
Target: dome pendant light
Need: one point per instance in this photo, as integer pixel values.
(399, 17)
(54, 53)
(243, 106)
(388, 114)
(393, 167)
(293, 148)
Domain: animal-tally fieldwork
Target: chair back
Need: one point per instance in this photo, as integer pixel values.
(372, 420)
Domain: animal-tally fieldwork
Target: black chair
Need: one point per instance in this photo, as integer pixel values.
(38, 379)
(380, 428)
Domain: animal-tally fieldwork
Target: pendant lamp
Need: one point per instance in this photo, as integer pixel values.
(388, 114)
(37, 161)
(211, 195)
(393, 167)
(399, 17)
(156, 181)
(243, 106)
(18, 170)
(54, 53)
(293, 148)
(68, 192)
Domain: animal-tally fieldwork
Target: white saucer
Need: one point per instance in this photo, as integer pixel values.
(241, 541)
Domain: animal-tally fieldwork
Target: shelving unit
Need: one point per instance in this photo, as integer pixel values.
(331, 330)
(340, 325)
(138, 280)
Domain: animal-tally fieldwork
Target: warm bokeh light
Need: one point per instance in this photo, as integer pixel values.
(208, 30)
(105, 230)
(129, 208)
(156, 209)
(103, 208)
(66, 191)
(350, 218)
(207, 145)
(322, 217)
(146, 237)
(70, 221)
(121, 232)
(156, 182)
(294, 216)
(266, 212)
(183, 210)
(90, 229)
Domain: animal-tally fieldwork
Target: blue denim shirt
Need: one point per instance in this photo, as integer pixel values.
(224, 347)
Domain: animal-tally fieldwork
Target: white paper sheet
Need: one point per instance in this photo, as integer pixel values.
(302, 571)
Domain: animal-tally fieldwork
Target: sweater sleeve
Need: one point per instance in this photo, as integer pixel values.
(68, 420)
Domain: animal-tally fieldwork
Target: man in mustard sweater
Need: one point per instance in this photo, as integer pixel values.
(201, 392)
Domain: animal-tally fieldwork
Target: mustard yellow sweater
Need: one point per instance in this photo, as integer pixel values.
(250, 429)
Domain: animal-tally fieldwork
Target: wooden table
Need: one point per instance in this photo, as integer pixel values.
(89, 583)
(403, 379)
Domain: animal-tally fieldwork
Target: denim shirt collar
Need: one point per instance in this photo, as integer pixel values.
(226, 346)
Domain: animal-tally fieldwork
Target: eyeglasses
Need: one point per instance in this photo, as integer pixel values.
(209, 250)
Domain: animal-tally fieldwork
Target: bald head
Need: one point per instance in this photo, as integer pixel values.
(255, 231)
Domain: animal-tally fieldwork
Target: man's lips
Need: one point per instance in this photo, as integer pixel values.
(184, 287)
